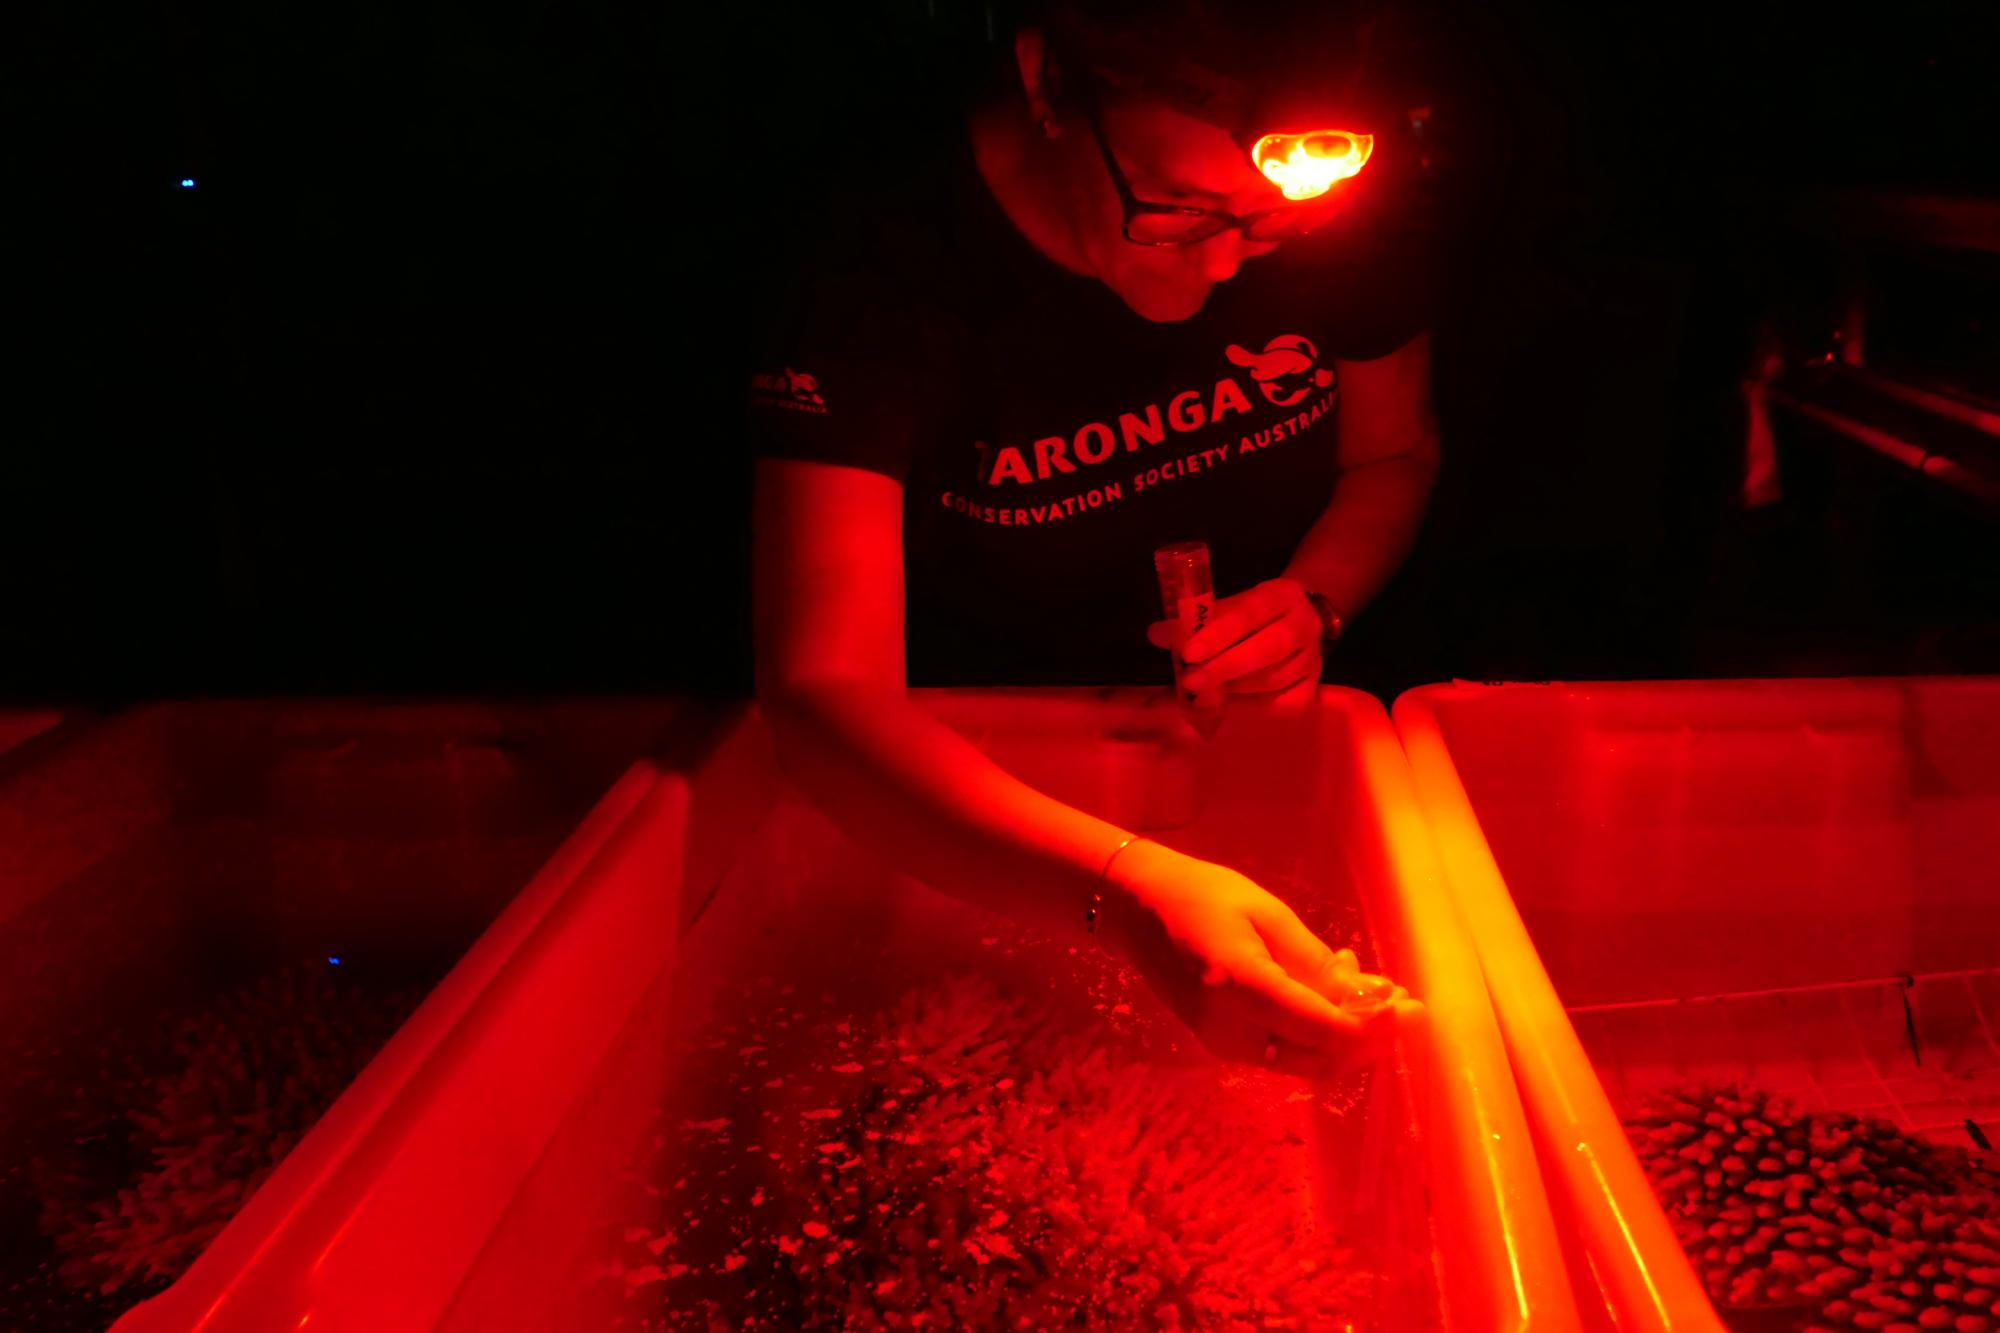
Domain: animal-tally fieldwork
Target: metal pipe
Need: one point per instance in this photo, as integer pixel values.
(1913, 456)
(1950, 222)
(1980, 419)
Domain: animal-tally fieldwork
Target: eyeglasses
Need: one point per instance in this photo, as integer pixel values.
(1151, 223)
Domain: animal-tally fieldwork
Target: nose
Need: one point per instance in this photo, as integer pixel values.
(1221, 256)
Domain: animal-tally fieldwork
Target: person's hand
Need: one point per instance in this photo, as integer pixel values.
(1239, 967)
(1263, 644)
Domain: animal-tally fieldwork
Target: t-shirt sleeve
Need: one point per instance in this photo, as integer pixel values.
(835, 350)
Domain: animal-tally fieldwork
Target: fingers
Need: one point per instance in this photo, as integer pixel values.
(1301, 697)
(1243, 971)
(1301, 953)
(1274, 643)
(1296, 1012)
(1264, 1016)
(1334, 973)
(1164, 634)
(1302, 665)
(1277, 1023)
(1237, 618)
(1372, 995)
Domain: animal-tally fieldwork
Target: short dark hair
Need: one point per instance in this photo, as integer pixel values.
(1196, 51)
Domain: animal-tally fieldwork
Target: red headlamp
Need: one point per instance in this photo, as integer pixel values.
(1307, 165)
(1304, 163)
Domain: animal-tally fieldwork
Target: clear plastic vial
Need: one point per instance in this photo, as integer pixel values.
(1187, 593)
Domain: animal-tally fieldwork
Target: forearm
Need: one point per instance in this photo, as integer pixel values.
(931, 804)
(1367, 531)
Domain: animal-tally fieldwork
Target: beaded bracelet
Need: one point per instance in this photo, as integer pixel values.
(1097, 895)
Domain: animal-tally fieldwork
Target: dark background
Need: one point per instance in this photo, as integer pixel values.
(430, 384)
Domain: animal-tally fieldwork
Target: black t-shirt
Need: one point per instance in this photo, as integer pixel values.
(1047, 437)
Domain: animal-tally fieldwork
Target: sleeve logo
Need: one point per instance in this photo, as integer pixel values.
(791, 389)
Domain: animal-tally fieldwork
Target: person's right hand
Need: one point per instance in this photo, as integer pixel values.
(1240, 968)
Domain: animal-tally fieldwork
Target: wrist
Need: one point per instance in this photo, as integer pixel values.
(1119, 897)
(1332, 617)
(1331, 623)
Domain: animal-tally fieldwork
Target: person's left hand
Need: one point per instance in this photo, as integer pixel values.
(1263, 644)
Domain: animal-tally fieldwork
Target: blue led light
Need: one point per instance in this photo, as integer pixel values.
(187, 182)
(333, 960)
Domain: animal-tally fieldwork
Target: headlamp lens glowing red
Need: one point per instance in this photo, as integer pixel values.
(1305, 166)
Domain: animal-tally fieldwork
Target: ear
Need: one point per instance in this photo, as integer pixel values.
(1039, 78)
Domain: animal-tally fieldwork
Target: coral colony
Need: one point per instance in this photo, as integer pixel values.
(972, 1159)
(1851, 1221)
(198, 1131)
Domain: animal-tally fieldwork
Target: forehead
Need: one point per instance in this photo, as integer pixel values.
(1161, 147)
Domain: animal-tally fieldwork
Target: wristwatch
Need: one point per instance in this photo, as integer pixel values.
(1330, 623)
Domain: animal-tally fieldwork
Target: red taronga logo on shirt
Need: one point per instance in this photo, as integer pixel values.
(789, 389)
(1286, 372)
